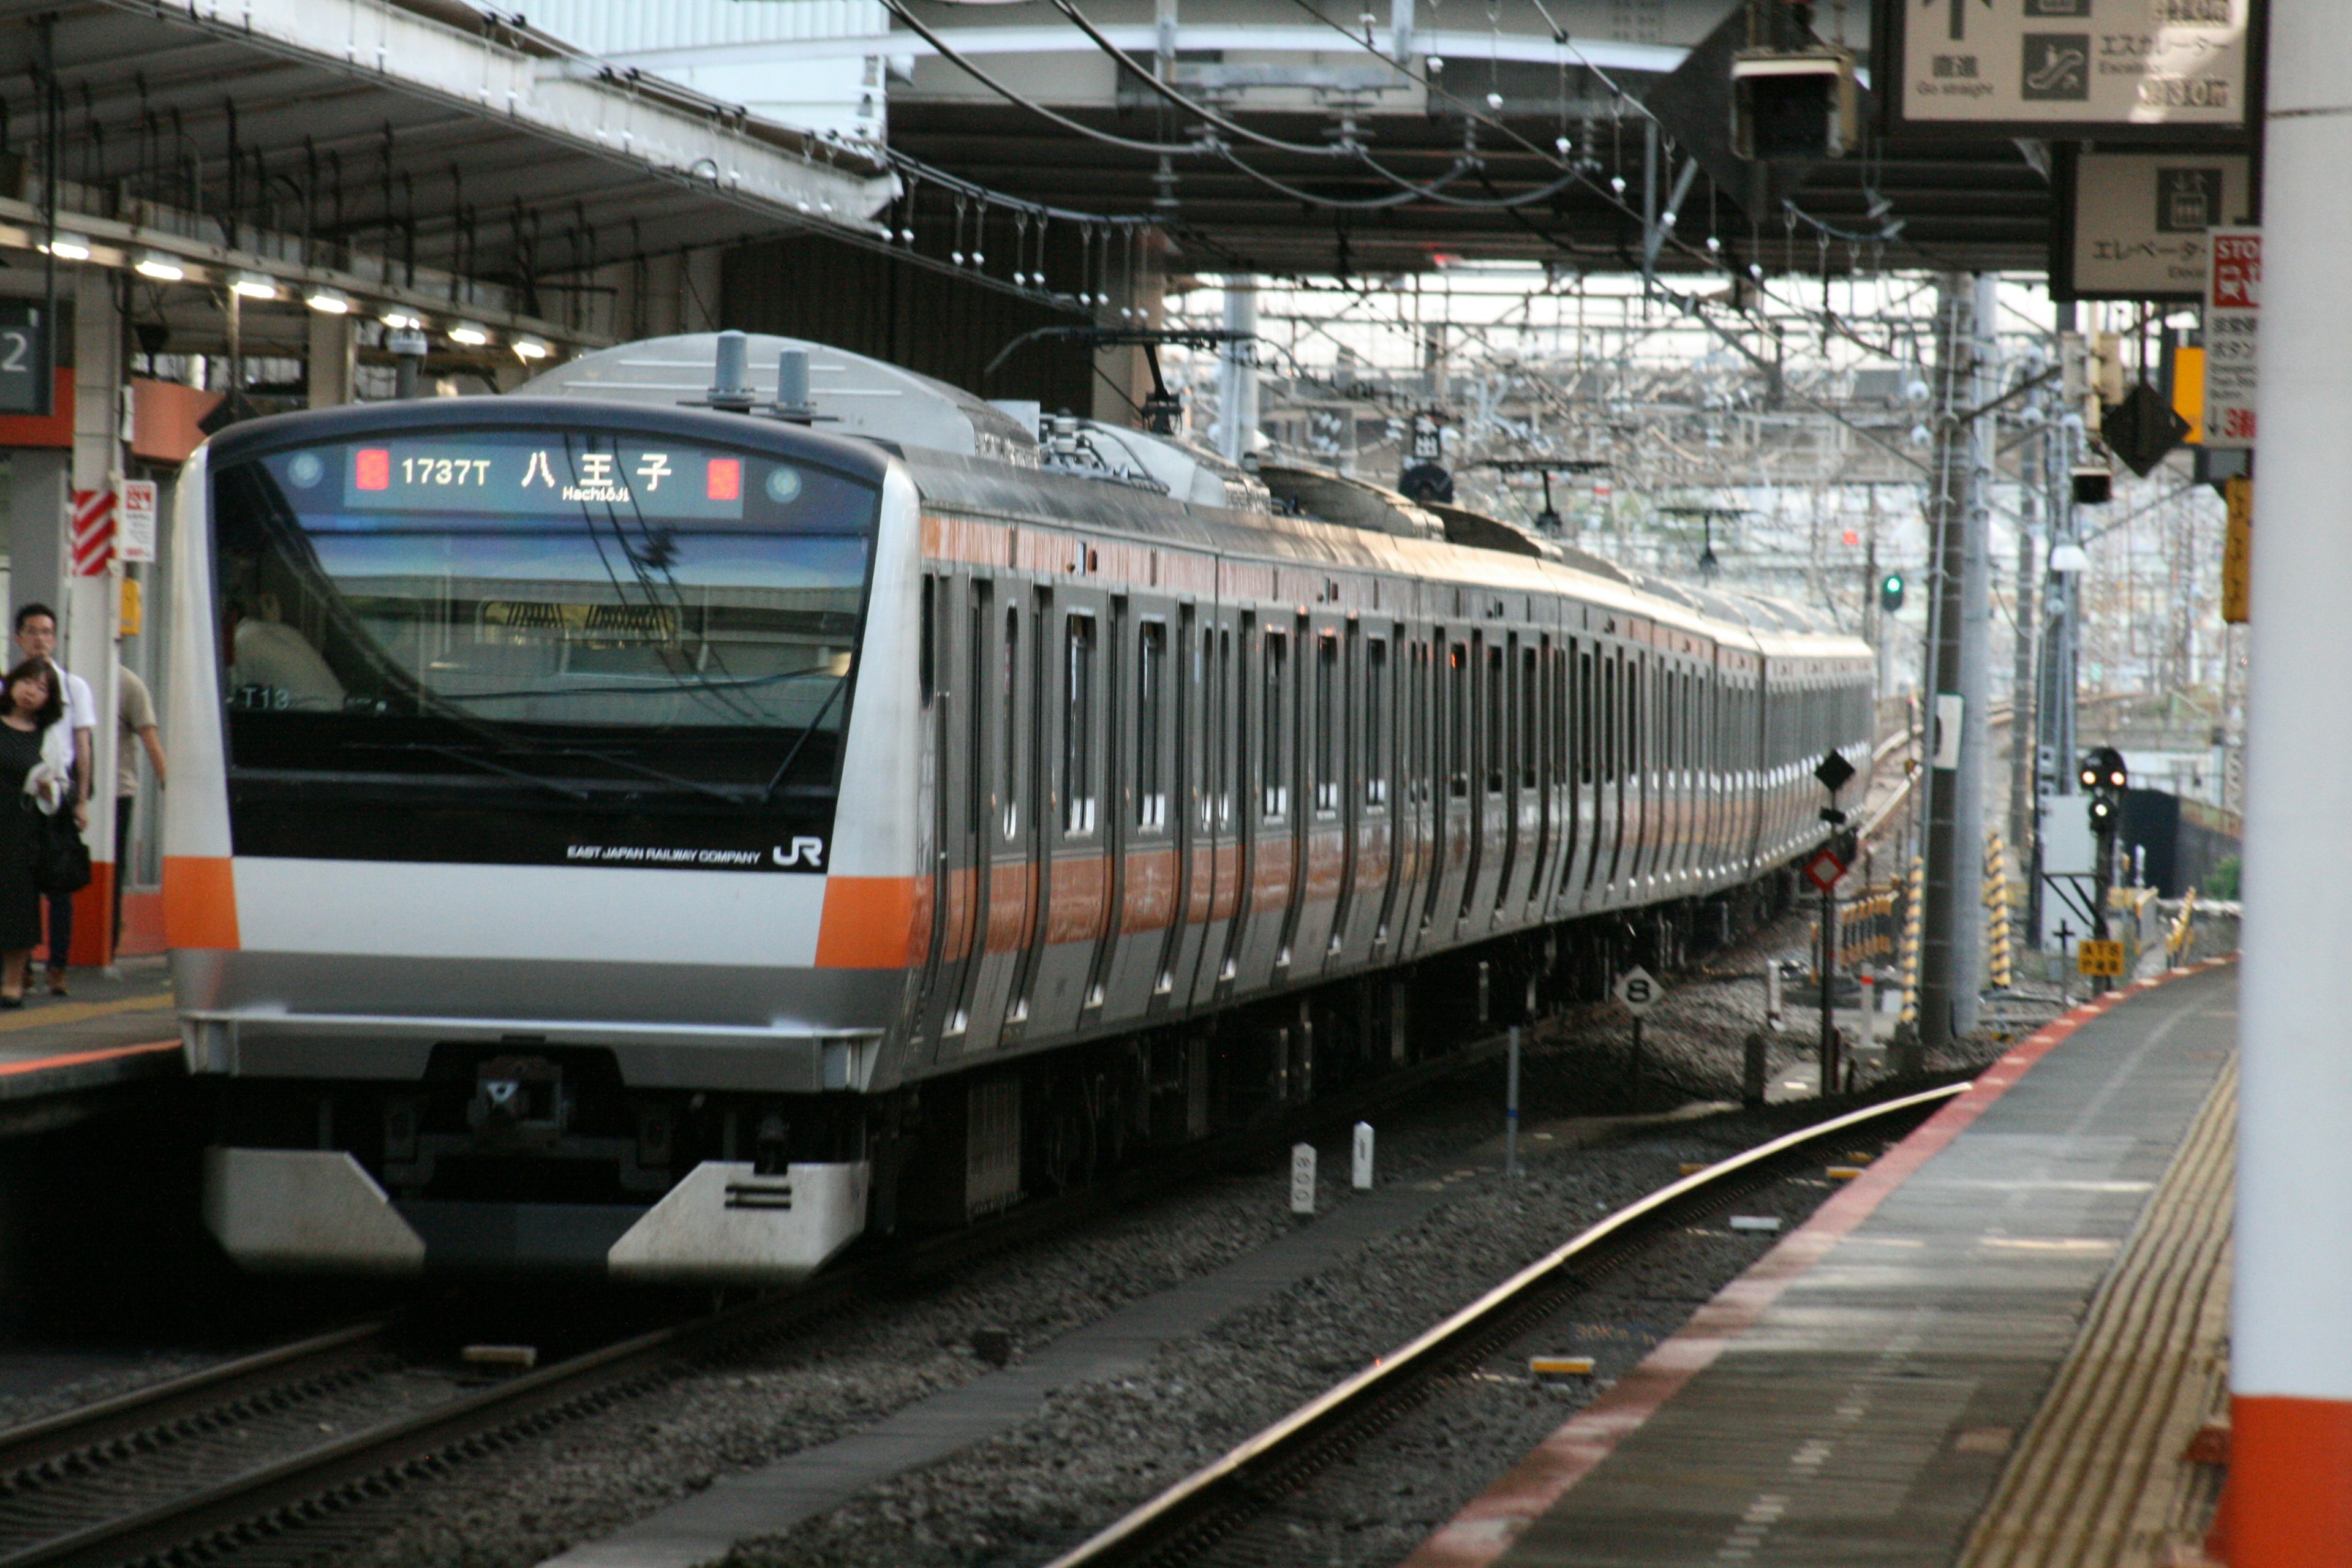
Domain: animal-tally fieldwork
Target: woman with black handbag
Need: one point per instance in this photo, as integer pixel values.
(36, 769)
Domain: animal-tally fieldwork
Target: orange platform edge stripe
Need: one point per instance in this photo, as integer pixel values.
(199, 901)
(79, 1058)
(869, 923)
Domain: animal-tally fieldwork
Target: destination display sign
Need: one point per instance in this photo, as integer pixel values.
(669, 481)
(2071, 67)
(550, 476)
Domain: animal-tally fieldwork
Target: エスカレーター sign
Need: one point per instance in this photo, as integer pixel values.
(2072, 67)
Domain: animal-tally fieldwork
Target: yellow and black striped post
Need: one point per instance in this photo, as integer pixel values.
(1996, 899)
(1911, 915)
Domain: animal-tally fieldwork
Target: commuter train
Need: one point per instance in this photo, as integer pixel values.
(628, 827)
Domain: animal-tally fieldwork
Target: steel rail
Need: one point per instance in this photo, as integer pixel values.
(315, 1484)
(1192, 1514)
(88, 1435)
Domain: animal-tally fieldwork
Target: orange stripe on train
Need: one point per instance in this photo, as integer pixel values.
(871, 922)
(199, 901)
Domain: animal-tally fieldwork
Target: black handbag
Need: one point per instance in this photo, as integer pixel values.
(61, 859)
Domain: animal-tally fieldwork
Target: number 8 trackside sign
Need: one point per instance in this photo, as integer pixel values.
(1639, 991)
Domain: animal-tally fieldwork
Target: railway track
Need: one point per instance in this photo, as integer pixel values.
(1189, 1519)
(271, 1448)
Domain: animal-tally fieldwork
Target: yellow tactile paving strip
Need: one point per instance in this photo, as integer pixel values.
(2100, 1480)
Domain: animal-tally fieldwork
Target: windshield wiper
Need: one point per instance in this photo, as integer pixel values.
(472, 761)
(785, 768)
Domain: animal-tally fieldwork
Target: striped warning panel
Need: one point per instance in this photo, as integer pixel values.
(93, 532)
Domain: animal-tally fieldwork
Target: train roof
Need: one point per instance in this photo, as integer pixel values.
(1012, 459)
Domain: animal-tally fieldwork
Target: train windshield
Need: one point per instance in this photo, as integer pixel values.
(561, 611)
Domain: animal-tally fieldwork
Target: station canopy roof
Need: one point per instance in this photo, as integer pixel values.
(411, 155)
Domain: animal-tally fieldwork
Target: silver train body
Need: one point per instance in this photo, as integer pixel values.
(664, 842)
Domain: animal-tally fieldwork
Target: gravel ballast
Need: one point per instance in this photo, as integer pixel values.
(1097, 1448)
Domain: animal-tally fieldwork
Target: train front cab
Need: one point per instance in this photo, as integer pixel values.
(513, 920)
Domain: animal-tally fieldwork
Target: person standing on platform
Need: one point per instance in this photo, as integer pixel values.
(36, 637)
(134, 709)
(36, 774)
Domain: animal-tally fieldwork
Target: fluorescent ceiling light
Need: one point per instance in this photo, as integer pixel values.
(68, 247)
(528, 347)
(472, 335)
(161, 267)
(254, 286)
(401, 318)
(329, 302)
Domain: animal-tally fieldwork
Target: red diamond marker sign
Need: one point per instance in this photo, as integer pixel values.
(1824, 870)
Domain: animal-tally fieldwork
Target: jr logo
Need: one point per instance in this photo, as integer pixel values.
(808, 852)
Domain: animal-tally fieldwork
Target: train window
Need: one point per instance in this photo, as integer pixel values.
(1530, 717)
(926, 657)
(1635, 759)
(1274, 795)
(1079, 730)
(1588, 734)
(976, 762)
(1457, 719)
(1608, 728)
(1326, 723)
(1011, 777)
(1151, 702)
(1498, 714)
(1562, 661)
(1377, 698)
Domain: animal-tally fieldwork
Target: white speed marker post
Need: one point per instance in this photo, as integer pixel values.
(1302, 1179)
(1638, 991)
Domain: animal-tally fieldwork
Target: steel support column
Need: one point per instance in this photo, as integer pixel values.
(91, 603)
(1951, 954)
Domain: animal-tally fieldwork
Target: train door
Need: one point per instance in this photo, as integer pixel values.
(1612, 766)
(1271, 827)
(1042, 732)
(1396, 933)
(1078, 898)
(1324, 810)
(1187, 903)
(1242, 702)
(1371, 869)
(1591, 739)
(1536, 707)
(1358, 723)
(1530, 817)
(963, 649)
(1125, 826)
(1004, 738)
(1565, 822)
(1449, 877)
(1641, 740)
(1507, 748)
(1674, 833)
(1217, 854)
(936, 791)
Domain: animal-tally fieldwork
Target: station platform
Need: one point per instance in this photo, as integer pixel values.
(115, 1028)
(2002, 1346)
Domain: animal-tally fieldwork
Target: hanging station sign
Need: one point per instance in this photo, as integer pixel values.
(2134, 226)
(2069, 67)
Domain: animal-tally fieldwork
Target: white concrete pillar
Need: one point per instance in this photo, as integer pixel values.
(1237, 374)
(2290, 1488)
(90, 605)
(335, 342)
